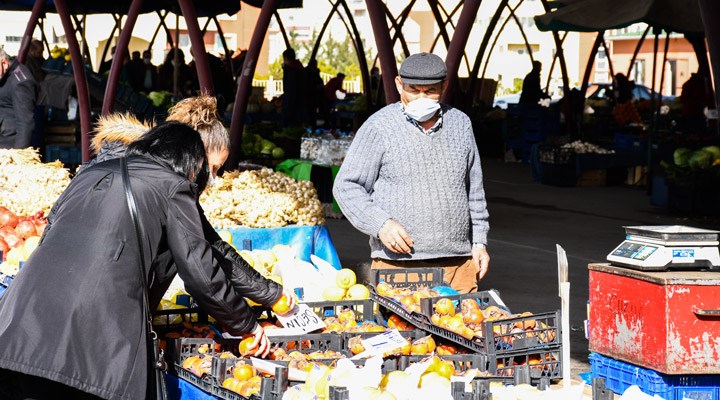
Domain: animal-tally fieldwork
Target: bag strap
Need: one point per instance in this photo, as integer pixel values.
(132, 206)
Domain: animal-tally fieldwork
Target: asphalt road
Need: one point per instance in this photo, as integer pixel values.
(527, 220)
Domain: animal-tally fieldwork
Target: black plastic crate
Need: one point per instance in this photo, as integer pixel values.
(363, 308)
(164, 318)
(522, 332)
(409, 277)
(542, 363)
(461, 362)
(556, 155)
(309, 342)
(181, 348)
(413, 335)
(206, 382)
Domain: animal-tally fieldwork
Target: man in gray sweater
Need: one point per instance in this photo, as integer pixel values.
(412, 181)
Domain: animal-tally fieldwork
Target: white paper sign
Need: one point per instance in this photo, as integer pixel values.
(268, 367)
(303, 318)
(385, 342)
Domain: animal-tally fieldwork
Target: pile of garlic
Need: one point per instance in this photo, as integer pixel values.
(261, 199)
(581, 147)
(26, 184)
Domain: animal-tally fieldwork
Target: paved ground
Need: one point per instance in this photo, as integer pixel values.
(527, 220)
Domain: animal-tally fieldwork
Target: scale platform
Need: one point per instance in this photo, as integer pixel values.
(663, 247)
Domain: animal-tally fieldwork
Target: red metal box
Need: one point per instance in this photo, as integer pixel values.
(665, 321)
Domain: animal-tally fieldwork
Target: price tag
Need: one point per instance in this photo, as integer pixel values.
(302, 318)
(385, 342)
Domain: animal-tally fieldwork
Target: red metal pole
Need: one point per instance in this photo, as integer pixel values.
(202, 65)
(119, 57)
(246, 76)
(710, 11)
(458, 43)
(385, 49)
(37, 9)
(79, 74)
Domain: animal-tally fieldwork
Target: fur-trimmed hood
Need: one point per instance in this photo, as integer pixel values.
(120, 128)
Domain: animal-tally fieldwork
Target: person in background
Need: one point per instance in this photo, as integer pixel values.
(167, 71)
(694, 98)
(293, 97)
(623, 89)
(532, 93)
(35, 60)
(315, 95)
(149, 73)
(17, 103)
(331, 88)
(412, 181)
(135, 68)
(106, 64)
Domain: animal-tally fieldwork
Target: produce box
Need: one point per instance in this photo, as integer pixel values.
(656, 320)
(408, 277)
(310, 342)
(364, 309)
(620, 375)
(346, 336)
(543, 363)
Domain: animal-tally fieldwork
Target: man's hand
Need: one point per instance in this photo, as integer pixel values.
(481, 259)
(262, 342)
(395, 238)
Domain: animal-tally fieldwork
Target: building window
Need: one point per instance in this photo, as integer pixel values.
(13, 39)
(637, 73)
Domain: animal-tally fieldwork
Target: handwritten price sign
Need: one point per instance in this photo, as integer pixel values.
(302, 318)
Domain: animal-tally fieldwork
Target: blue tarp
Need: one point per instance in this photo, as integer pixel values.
(179, 389)
(306, 240)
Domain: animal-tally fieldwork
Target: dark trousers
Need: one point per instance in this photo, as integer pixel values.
(17, 386)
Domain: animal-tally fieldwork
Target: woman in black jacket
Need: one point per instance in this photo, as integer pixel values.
(71, 324)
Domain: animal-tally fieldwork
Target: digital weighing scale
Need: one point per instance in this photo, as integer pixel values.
(662, 247)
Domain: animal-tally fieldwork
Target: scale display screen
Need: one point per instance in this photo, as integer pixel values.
(635, 251)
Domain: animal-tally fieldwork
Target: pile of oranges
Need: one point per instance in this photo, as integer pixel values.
(410, 299)
(245, 380)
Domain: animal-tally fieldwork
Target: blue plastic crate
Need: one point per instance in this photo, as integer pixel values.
(620, 375)
(68, 155)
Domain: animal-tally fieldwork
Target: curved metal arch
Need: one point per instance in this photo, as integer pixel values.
(118, 20)
(452, 24)
(607, 55)
(397, 33)
(359, 51)
(318, 39)
(441, 25)
(37, 10)
(282, 29)
(637, 49)
(483, 46)
(557, 56)
(502, 28)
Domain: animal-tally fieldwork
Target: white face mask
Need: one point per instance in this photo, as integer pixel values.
(422, 109)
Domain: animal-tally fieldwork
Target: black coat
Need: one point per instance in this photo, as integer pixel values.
(74, 312)
(17, 107)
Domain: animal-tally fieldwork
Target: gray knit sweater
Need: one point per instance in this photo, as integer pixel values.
(430, 184)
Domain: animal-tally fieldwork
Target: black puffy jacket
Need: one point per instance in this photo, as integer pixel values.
(74, 313)
(17, 105)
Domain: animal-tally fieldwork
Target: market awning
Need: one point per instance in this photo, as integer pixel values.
(596, 15)
(203, 8)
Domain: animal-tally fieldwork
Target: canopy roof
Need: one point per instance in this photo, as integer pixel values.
(204, 8)
(596, 15)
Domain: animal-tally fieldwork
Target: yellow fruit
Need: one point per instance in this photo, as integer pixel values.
(282, 306)
(226, 236)
(345, 278)
(333, 293)
(358, 292)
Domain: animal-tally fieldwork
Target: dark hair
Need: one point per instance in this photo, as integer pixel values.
(178, 145)
(289, 53)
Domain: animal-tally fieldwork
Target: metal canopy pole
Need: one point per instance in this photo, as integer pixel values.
(637, 50)
(483, 46)
(710, 12)
(168, 33)
(228, 54)
(360, 51)
(591, 60)
(37, 9)
(119, 57)
(197, 44)
(246, 76)
(117, 19)
(457, 45)
(282, 29)
(441, 24)
(385, 50)
(79, 74)
(397, 23)
(316, 45)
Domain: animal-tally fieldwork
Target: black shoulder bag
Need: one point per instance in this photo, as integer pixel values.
(157, 365)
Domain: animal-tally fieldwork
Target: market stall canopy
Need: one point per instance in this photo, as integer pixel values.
(204, 8)
(596, 15)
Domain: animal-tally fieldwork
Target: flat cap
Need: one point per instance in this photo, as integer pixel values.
(423, 69)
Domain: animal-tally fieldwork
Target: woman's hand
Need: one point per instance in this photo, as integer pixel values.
(262, 342)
